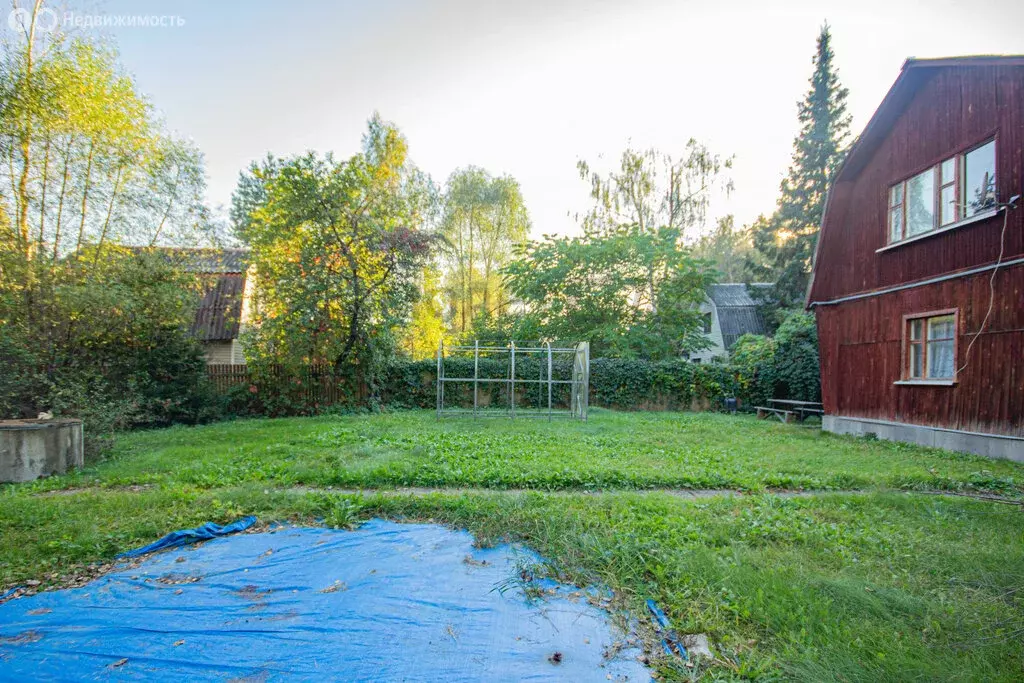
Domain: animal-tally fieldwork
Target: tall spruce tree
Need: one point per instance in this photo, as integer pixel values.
(788, 238)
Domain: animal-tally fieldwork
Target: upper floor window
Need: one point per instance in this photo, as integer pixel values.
(959, 187)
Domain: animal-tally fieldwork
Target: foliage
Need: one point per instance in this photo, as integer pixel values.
(636, 384)
(115, 350)
(627, 284)
(787, 240)
(651, 189)
(85, 157)
(797, 366)
(426, 328)
(753, 358)
(629, 292)
(337, 246)
(728, 248)
(484, 218)
(621, 383)
(784, 366)
(89, 327)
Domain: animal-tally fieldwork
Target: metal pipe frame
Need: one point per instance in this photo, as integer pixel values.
(580, 382)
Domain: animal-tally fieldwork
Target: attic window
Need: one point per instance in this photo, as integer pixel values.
(961, 186)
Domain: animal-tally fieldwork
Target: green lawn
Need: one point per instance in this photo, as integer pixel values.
(871, 586)
(611, 451)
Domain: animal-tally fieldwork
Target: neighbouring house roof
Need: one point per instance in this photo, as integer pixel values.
(222, 273)
(207, 259)
(220, 310)
(734, 293)
(738, 312)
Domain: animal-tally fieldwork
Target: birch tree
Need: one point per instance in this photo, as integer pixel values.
(484, 219)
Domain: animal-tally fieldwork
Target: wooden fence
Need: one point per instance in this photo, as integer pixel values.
(312, 385)
(224, 377)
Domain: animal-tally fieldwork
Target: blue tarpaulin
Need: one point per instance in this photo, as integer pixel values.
(669, 640)
(205, 532)
(388, 602)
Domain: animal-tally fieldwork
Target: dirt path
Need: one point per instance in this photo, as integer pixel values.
(689, 494)
(685, 494)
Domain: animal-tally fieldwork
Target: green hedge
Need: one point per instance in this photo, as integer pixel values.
(622, 384)
(630, 384)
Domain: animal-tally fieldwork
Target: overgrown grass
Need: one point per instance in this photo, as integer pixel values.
(876, 587)
(612, 450)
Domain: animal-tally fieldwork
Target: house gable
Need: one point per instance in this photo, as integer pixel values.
(935, 109)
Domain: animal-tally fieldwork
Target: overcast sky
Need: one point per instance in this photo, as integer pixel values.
(528, 87)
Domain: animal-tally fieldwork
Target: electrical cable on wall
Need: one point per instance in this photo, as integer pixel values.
(1012, 204)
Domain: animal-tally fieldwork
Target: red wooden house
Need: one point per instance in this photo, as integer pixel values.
(918, 282)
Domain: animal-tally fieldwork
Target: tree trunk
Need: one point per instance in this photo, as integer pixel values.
(463, 287)
(469, 298)
(25, 141)
(487, 287)
(110, 212)
(63, 189)
(42, 194)
(85, 196)
(167, 211)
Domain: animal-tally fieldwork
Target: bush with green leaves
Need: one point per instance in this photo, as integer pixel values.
(753, 363)
(797, 368)
(620, 383)
(783, 366)
(108, 343)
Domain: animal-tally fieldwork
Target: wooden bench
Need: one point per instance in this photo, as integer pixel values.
(788, 410)
(782, 414)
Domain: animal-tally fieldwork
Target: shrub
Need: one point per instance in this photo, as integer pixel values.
(110, 346)
(753, 364)
(797, 368)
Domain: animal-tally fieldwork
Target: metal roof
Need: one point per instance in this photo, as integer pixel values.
(737, 321)
(213, 260)
(734, 293)
(220, 309)
(204, 259)
(738, 312)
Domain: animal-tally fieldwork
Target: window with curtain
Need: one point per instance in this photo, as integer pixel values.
(930, 343)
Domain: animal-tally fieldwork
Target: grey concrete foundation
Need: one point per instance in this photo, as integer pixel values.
(30, 449)
(991, 445)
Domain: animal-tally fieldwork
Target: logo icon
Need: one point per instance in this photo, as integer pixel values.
(20, 19)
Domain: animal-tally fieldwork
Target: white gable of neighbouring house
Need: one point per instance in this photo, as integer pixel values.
(733, 313)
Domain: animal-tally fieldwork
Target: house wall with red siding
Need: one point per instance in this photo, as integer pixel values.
(862, 356)
(861, 340)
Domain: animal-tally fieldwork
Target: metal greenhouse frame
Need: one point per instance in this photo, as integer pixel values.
(516, 395)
